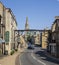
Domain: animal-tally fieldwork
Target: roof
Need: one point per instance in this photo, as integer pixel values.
(12, 15)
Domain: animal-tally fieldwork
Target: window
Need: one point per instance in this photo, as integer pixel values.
(0, 23)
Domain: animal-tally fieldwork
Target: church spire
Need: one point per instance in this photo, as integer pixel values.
(26, 24)
(26, 20)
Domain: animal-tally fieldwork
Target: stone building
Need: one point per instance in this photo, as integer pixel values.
(2, 27)
(11, 25)
(37, 38)
(45, 39)
(26, 24)
(54, 39)
(7, 26)
(26, 28)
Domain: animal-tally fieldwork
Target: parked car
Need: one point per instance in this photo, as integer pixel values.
(30, 46)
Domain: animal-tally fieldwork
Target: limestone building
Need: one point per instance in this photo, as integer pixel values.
(26, 24)
(2, 27)
(26, 28)
(54, 38)
(11, 25)
(7, 26)
(44, 39)
(37, 38)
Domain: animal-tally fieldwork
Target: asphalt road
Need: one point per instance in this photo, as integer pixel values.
(36, 57)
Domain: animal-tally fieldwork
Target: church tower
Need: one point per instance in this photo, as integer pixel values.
(26, 28)
(26, 24)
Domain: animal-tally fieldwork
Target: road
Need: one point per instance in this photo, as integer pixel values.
(36, 57)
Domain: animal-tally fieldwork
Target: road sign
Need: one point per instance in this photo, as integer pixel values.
(1, 41)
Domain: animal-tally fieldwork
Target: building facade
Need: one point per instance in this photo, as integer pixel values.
(44, 42)
(7, 26)
(54, 42)
(11, 25)
(37, 38)
(2, 27)
(26, 28)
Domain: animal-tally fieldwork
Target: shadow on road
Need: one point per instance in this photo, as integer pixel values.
(45, 57)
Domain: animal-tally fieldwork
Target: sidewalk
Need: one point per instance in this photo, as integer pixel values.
(49, 55)
(10, 60)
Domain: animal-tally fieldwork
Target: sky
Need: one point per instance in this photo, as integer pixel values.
(40, 13)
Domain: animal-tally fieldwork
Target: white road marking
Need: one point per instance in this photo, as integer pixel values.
(43, 57)
(20, 59)
(37, 59)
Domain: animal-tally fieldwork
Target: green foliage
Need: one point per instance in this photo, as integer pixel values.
(16, 49)
(28, 38)
(12, 52)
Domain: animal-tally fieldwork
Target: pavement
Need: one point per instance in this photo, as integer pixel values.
(43, 56)
(51, 56)
(29, 57)
(10, 60)
(36, 57)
